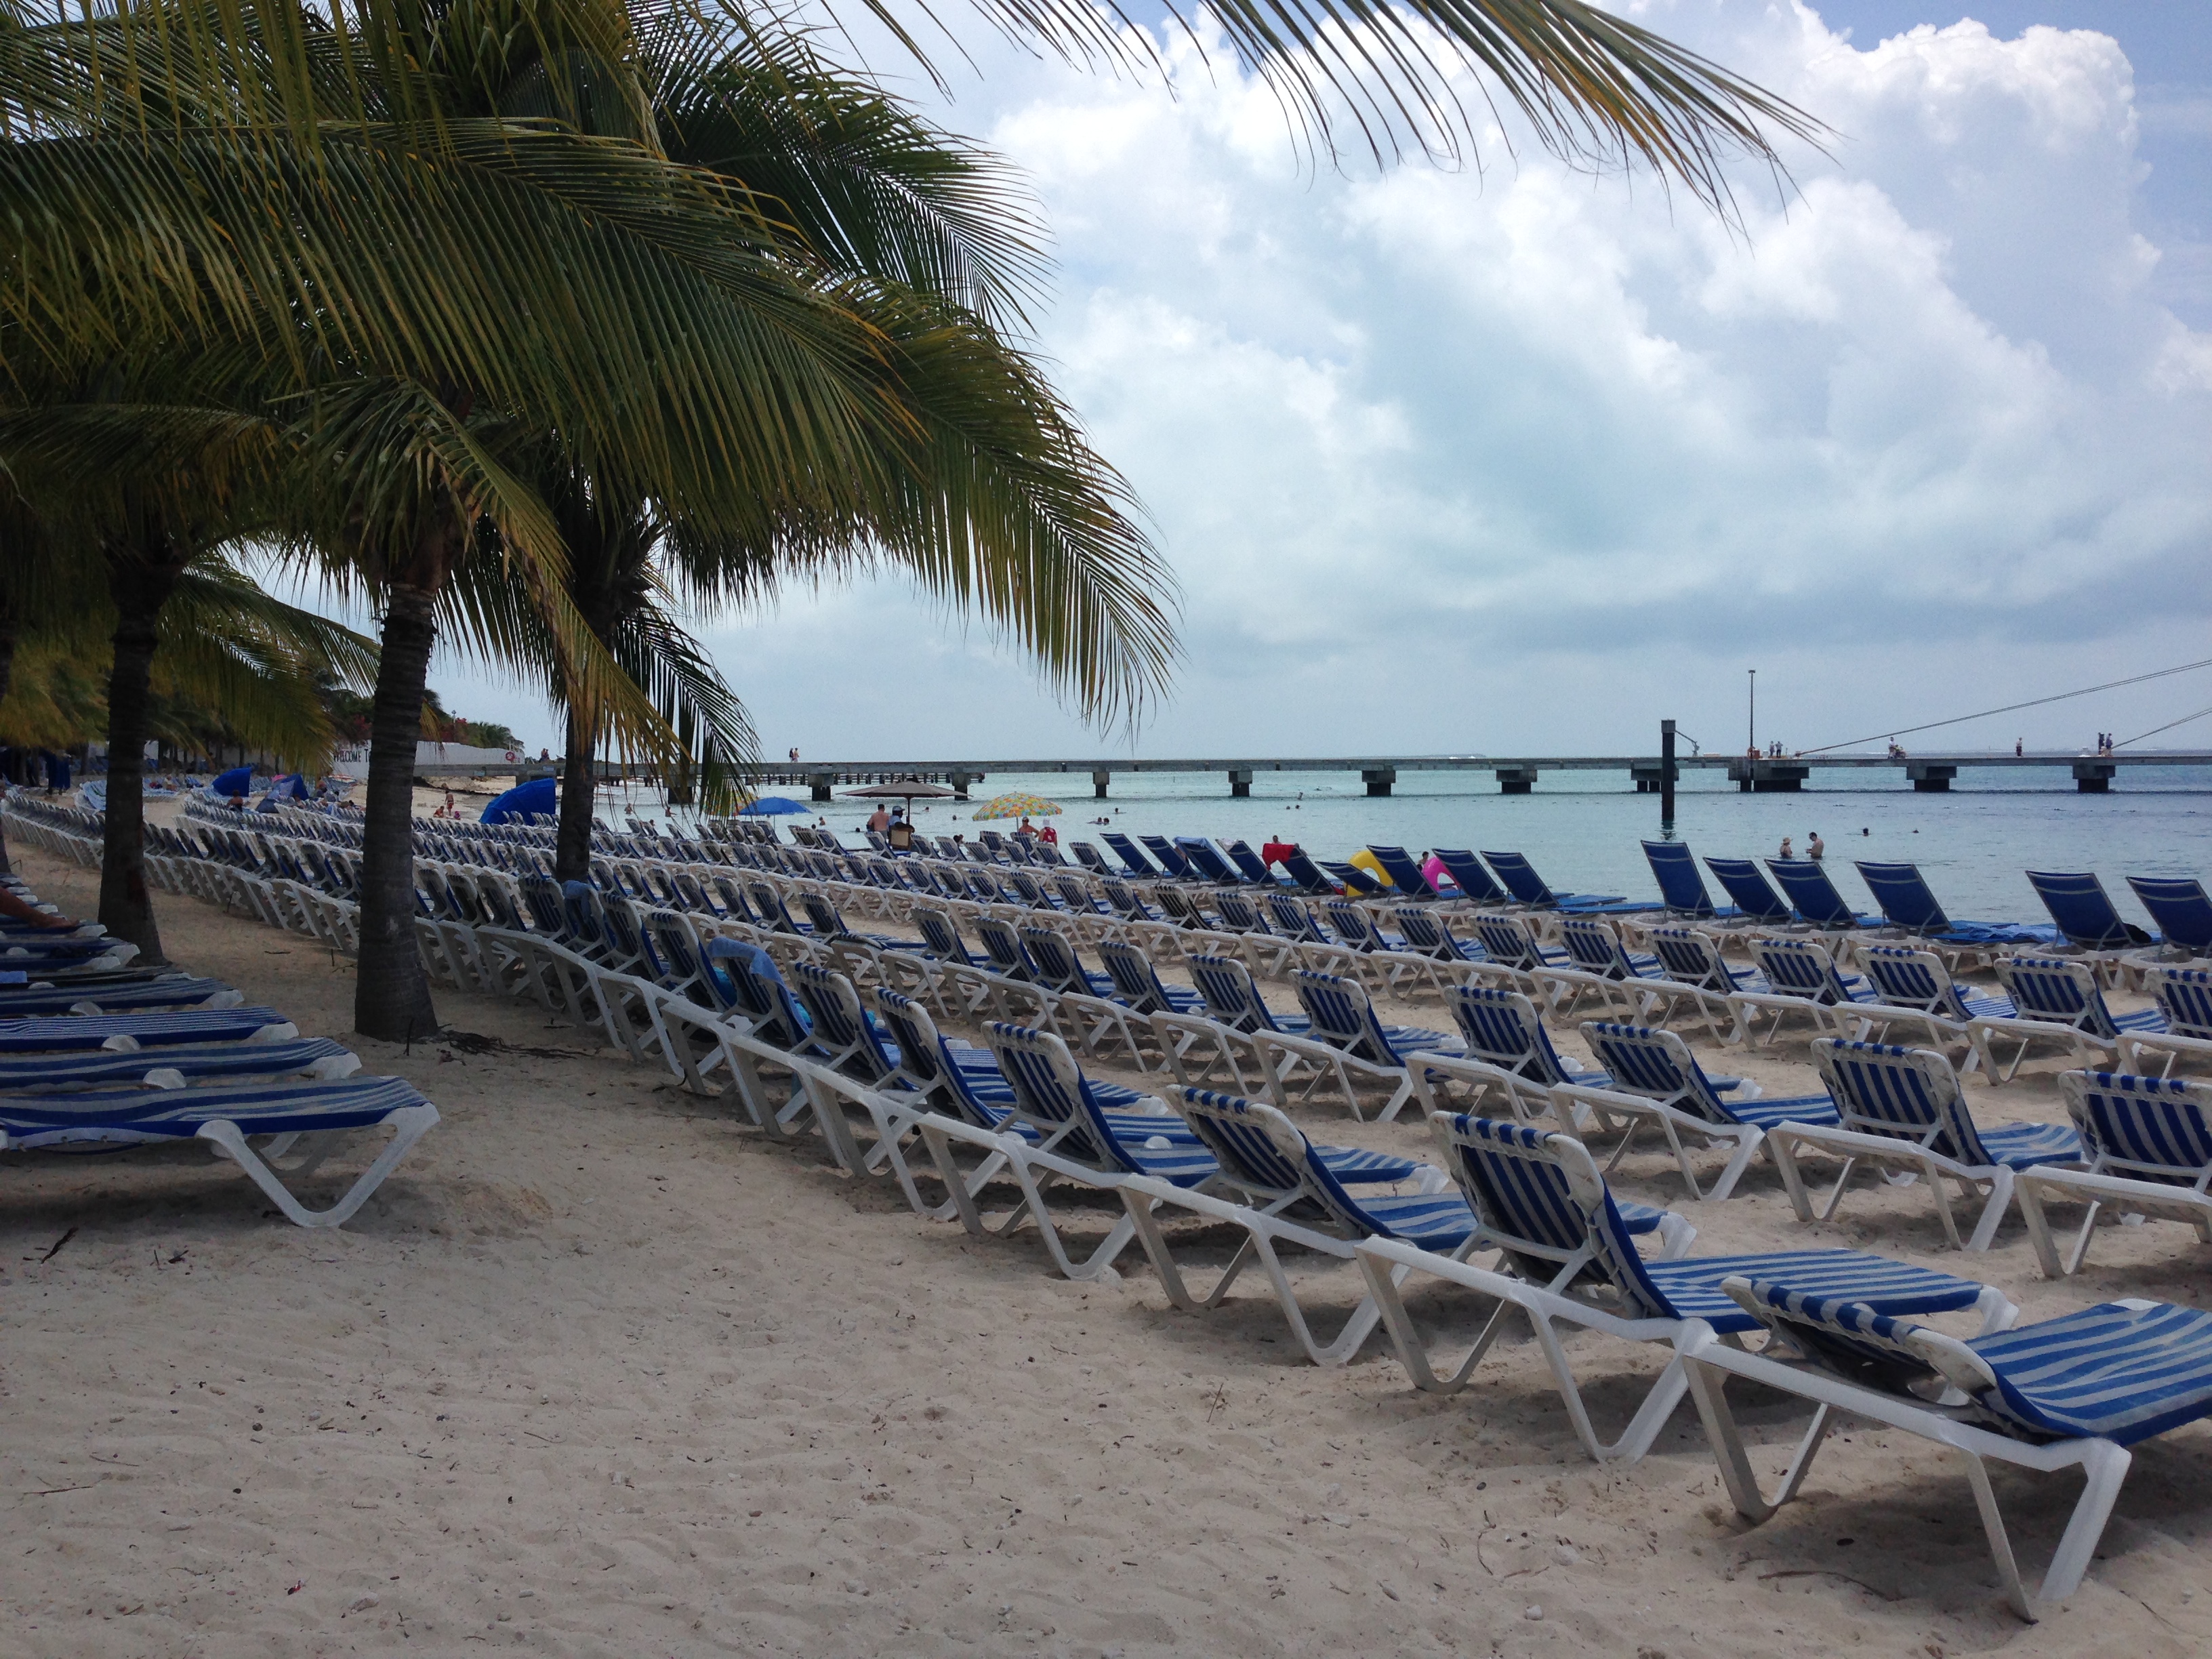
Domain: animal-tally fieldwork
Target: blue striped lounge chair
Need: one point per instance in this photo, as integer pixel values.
(1910, 905)
(1089, 857)
(1383, 959)
(2148, 1143)
(23, 996)
(1805, 884)
(1405, 875)
(2058, 1001)
(1522, 880)
(130, 1033)
(1428, 934)
(1217, 1041)
(2072, 1392)
(2183, 913)
(1472, 877)
(1351, 1045)
(1502, 1027)
(1617, 977)
(941, 938)
(1568, 1257)
(1307, 876)
(1801, 978)
(1510, 943)
(1279, 1188)
(1351, 880)
(1915, 988)
(1902, 1109)
(1206, 862)
(1252, 866)
(2082, 911)
(1138, 984)
(173, 1065)
(1084, 1008)
(1756, 901)
(229, 1117)
(1655, 1079)
(1132, 860)
(2183, 997)
(1692, 961)
(1169, 857)
(1681, 888)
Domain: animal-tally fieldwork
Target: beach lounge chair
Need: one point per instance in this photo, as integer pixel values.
(1132, 860)
(1569, 1258)
(1902, 1109)
(1169, 857)
(1254, 866)
(1501, 1028)
(1914, 987)
(2180, 908)
(1205, 861)
(1306, 876)
(1596, 950)
(2148, 1142)
(35, 995)
(1680, 887)
(1350, 1043)
(1084, 1008)
(1805, 884)
(2082, 911)
(227, 1116)
(130, 1033)
(1350, 879)
(1653, 1078)
(1405, 875)
(1522, 881)
(1757, 903)
(1908, 905)
(1694, 965)
(1509, 942)
(1800, 978)
(173, 1065)
(1279, 1188)
(1472, 877)
(1139, 985)
(1215, 1042)
(2183, 996)
(2056, 1000)
(2072, 1392)
(1427, 932)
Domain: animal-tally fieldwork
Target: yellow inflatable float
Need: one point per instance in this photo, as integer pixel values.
(1363, 859)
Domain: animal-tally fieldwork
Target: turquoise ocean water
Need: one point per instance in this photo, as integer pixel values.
(1581, 829)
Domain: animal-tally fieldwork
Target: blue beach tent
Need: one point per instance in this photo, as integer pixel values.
(519, 803)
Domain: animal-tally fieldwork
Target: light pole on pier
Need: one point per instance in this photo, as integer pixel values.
(1751, 742)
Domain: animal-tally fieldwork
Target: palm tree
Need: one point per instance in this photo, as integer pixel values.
(440, 218)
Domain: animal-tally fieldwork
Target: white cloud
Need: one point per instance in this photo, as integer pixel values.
(1510, 459)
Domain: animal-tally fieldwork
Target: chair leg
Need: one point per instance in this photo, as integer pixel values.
(1709, 1391)
(409, 1125)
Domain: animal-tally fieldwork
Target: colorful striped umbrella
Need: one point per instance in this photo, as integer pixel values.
(1016, 806)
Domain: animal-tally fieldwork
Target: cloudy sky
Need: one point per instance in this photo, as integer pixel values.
(1513, 460)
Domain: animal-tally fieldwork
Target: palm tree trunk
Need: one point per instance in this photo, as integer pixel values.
(139, 581)
(8, 632)
(392, 998)
(572, 842)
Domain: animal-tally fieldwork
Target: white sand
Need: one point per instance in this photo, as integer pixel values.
(599, 1372)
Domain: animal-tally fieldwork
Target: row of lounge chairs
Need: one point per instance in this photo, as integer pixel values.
(868, 1070)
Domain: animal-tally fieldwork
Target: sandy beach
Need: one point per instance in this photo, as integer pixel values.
(599, 1372)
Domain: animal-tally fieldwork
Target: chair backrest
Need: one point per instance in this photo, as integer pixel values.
(1126, 850)
(542, 897)
(1342, 1017)
(1052, 957)
(1531, 1192)
(768, 904)
(1749, 890)
(2178, 905)
(1909, 1093)
(940, 934)
(1905, 978)
(2081, 910)
(1657, 1064)
(1689, 957)
(749, 979)
(922, 1057)
(1503, 1028)
(1180, 908)
(1680, 885)
(1306, 874)
(1169, 856)
(1350, 877)
(1353, 925)
(1595, 946)
(584, 916)
(1814, 897)
(1905, 897)
(1052, 1093)
(2145, 1128)
(1848, 1337)
(1030, 890)
(1292, 920)
(1134, 981)
(1004, 946)
(1206, 860)
(1077, 896)
(1425, 934)
(675, 950)
(828, 922)
(1237, 913)
(1506, 940)
(1521, 880)
(1231, 999)
(840, 1021)
(1121, 899)
(1261, 1150)
(1254, 866)
(1797, 966)
(1404, 873)
(1088, 856)
(2064, 993)
(2185, 997)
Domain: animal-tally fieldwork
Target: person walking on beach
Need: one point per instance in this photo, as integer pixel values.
(1786, 852)
(1815, 849)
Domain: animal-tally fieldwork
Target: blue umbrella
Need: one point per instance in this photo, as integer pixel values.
(774, 806)
(520, 803)
(236, 781)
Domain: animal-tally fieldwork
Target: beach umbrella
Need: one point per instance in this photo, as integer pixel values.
(774, 806)
(518, 804)
(1016, 806)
